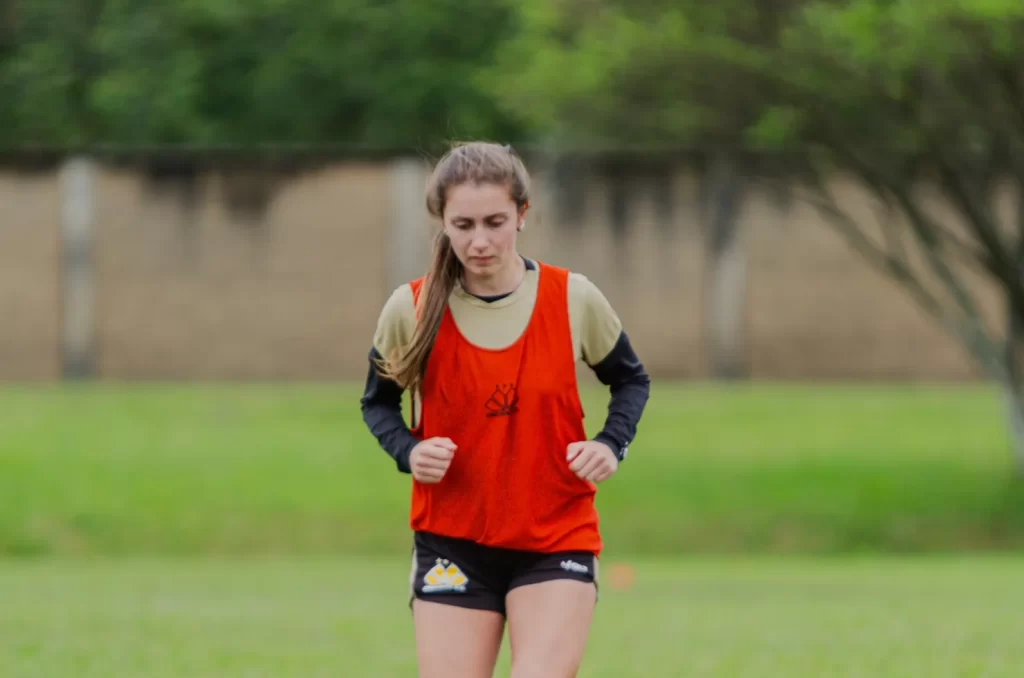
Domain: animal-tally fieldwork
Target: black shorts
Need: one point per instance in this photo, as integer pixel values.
(466, 574)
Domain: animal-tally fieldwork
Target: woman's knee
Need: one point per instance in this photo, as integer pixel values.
(548, 627)
(540, 667)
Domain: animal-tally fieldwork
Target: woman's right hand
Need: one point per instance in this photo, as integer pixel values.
(430, 459)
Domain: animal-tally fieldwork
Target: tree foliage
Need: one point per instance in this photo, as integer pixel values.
(645, 74)
(915, 99)
(388, 74)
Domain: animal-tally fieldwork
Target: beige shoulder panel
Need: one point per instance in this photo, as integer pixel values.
(595, 325)
(396, 323)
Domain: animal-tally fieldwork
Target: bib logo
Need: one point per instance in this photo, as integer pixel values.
(503, 402)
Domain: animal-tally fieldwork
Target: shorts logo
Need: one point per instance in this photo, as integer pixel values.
(573, 566)
(444, 576)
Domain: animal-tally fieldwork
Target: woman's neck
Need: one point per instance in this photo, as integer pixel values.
(503, 281)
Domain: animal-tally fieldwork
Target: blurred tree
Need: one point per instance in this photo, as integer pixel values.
(648, 75)
(907, 98)
(44, 72)
(379, 75)
(900, 97)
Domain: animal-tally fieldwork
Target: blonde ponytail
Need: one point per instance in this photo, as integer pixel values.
(408, 368)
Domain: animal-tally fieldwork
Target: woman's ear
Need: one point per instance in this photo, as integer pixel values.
(522, 216)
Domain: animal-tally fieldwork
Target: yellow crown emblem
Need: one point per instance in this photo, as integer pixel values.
(444, 576)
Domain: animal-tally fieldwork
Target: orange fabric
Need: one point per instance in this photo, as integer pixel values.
(512, 412)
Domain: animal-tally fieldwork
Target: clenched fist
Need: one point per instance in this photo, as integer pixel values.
(592, 460)
(430, 459)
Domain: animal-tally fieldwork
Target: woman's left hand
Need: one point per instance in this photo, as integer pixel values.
(592, 460)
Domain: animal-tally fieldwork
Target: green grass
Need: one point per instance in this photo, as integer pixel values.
(278, 468)
(257, 530)
(779, 618)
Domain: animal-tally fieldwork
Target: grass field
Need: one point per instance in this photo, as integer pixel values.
(291, 469)
(257, 530)
(790, 618)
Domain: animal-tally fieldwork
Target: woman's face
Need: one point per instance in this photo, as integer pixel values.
(482, 222)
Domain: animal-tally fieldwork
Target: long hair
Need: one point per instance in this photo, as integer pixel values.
(470, 162)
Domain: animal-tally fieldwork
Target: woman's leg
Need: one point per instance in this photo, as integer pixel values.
(457, 592)
(456, 641)
(548, 625)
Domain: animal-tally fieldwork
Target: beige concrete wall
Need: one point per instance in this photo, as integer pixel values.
(29, 276)
(199, 292)
(194, 289)
(817, 308)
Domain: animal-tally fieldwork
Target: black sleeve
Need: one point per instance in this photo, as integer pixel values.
(382, 411)
(630, 385)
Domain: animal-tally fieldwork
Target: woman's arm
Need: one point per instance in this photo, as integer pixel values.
(630, 386)
(606, 348)
(381, 402)
(382, 411)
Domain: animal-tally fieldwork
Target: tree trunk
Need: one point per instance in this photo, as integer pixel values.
(1015, 417)
(726, 270)
(1013, 386)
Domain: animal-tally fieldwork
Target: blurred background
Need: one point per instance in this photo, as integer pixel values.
(807, 214)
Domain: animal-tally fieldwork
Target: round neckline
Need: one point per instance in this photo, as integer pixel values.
(504, 301)
(512, 298)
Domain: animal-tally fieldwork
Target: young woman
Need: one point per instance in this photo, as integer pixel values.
(503, 475)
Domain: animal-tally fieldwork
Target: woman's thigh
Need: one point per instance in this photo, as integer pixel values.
(456, 641)
(548, 625)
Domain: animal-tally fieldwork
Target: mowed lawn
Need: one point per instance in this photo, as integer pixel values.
(284, 468)
(215, 531)
(759, 618)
